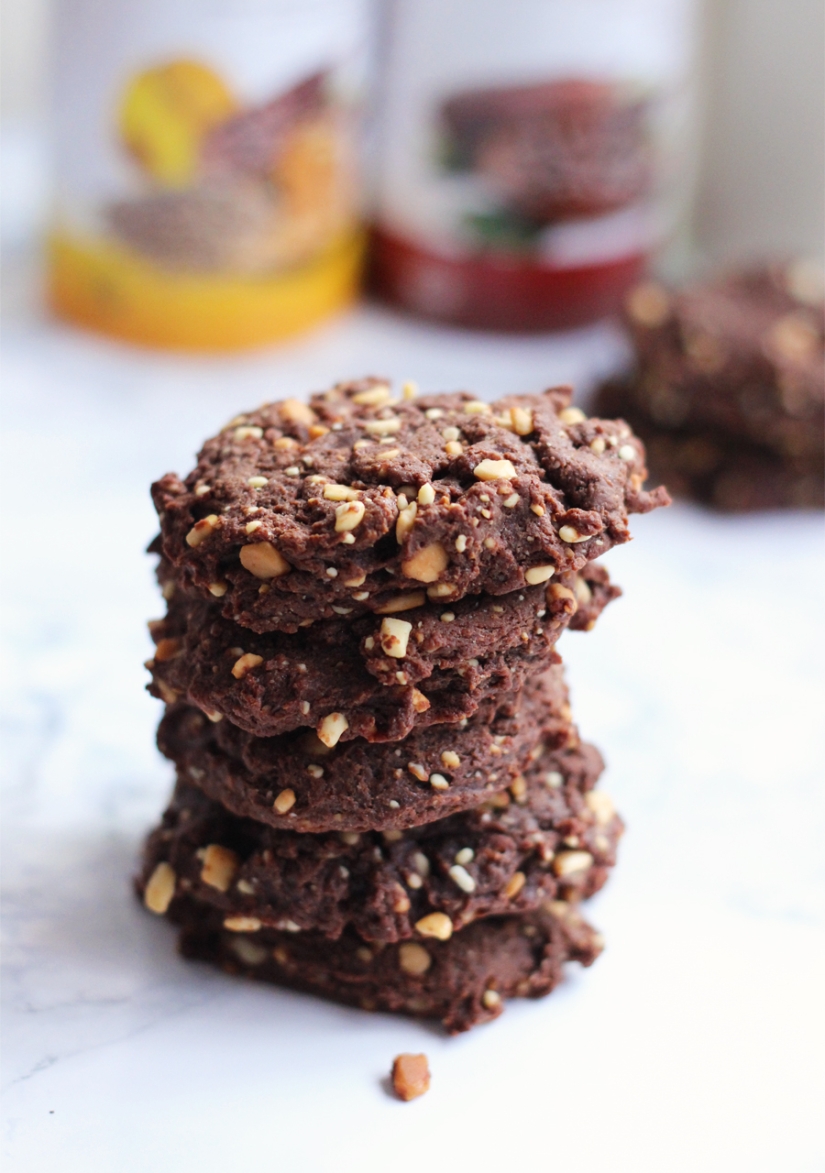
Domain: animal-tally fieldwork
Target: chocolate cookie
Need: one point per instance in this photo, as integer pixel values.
(298, 512)
(733, 477)
(462, 981)
(728, 389)
(294, 781)
(541, 840)
(371, 677)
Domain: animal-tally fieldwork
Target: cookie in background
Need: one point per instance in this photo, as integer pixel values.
(728, 386)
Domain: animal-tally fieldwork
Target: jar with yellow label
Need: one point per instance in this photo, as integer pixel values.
(207, 188)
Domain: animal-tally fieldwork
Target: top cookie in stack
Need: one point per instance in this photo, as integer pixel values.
(363, 502)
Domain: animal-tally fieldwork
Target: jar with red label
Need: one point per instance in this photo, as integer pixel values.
(531, 155)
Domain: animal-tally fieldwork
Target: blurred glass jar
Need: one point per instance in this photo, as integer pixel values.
(207, 188)
(530, 155)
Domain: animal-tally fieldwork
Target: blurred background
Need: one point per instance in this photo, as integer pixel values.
(189, 191)
(751, 165)
(759, 184)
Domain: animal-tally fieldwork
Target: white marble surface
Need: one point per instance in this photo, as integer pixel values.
(694, 1044)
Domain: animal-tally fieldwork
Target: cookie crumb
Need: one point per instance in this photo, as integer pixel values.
(410, 1076)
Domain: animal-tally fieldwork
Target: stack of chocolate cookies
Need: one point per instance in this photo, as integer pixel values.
(381, 795)
(728, 386)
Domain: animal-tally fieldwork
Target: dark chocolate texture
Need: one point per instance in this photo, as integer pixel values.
(297, 512)
(462, 981)
(359, 785)
(345, 678)
(543, 839)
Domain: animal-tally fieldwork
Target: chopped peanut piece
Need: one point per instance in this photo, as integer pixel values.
(572, 415)
(426, 564)
(202, 530)
(170, 695)
(477, 407)
(522, 420)
(461, 878)
(567, 863)
(402, 603)
(284, 802)
(436, 924)
(395, 634)
(160, 889)
(340, 493)
(245, 663)
(404, 523)
(331, 728)
(263, 560)
(419, 701)
(410, 1076)
(518, 788)
(426, 495)
(385, 427)
(582, 589)
(515, 885)
(569, 533)
(537, 574)
(441, 590)
(374, 397)
(494, 470)
(414, 958)
(401, 903)
(297, 412)
(601, 805)
(248, 952)
(557, 591)
(167, 649)
(349, 515)
(219, 867)
(242, 924)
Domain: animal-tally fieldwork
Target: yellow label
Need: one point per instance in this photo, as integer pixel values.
(105, 287)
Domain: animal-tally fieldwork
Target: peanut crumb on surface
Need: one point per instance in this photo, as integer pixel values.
(410, 1076)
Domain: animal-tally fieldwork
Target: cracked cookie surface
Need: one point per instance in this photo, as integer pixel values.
(360, 785)
(297, 512)
(370, 677)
